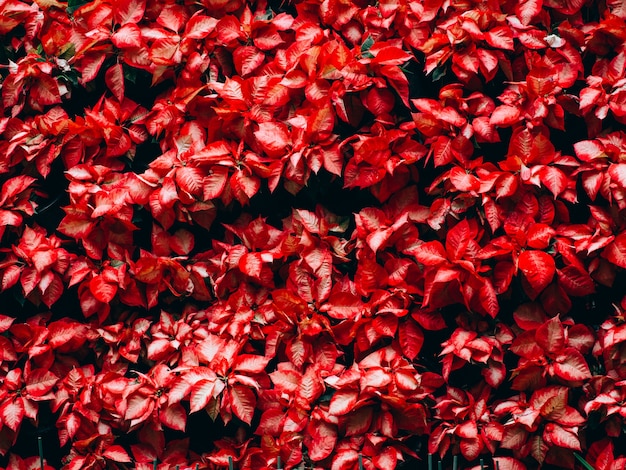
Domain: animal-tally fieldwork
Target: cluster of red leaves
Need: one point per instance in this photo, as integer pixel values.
(326, 230)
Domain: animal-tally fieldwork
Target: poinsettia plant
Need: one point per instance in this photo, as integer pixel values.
(328, 234)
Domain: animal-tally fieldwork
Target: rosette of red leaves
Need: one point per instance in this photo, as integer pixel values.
(322, 232)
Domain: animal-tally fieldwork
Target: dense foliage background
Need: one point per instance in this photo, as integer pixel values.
(313, 229)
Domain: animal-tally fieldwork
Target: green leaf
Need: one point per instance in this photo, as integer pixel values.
(367, 44)
(68, 51)
(439, 73)
(130, 74)
(73, 5)
(583, 462)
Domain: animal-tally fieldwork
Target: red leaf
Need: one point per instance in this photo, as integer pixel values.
(174, 417)
(127, 36)
(7, 218)
(13, 187)
(214, 183)
(494, 374)
(551, 335)
(538, 268)
(571, 365)
(244, 186)
(457, 240)
(29, 280)
(286, 380)
(575, 281)
(488, 298)
(430, 253)
(390, 55)
(553, 179)
(102, 290)
(589, 150)
(525, 345)
(343, 306)
(538, 236)
(229, 29)
(411, 338)
(43, 259)
(130, 11)
(617, 172)
(201, 394)
(45, 91)
(273, 137)
(398, 81)
(379, 101)
(53, 291)
(463, 181)
(138, 407)
(165, 51)
(12, 413)
(442, 150)
(40, 382)
(251, 363)
(386, 459)
(247, 59)
(615, 252)
(471, 448)
(243, 402)
(500, 37)
(343, 402)
(190, 180)
(182, 242)
(504, 116)
(199, 26)
(116, 453)
(592, 182)
(529, 316)
(251, 264)
(114, 79)
(554, 434)
(527, 10)
(5, 322)
(506, 185)
(359, 421)
(320, 440)
(508, 463)
(467, 430)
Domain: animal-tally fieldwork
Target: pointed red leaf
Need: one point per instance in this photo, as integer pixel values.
(102, 290)
(538, 268)
(116, 453)
(571, 365)
(508, 463)
(615, 252)
(588, 150)
(343, 402)
(553, 179)
(617, 172)
(12, 413)
(527, 10)
(247, 59)
(40, 382)
(243, 402)
(174, 417)
(551, 336)
(500, 37)
(504, 116)
(127, 36)
(559, 436)
(320, 440)
(214, 183)
(201, 394)
(411, 338)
